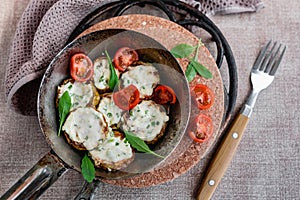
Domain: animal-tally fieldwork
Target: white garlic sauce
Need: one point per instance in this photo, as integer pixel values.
(86, 126)
(112, 149)
(144, 77)
(111, 112)
(81, 94)
(146, 120)
(102, 73)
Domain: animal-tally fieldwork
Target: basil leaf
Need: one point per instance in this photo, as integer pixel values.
(182, 50)
(113, 81)
(190, 72)
(87, 169)
(194, 67)
(139, 144)
(64, 105)
(201, 70)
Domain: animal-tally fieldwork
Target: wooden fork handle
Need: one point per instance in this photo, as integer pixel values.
(222, 158)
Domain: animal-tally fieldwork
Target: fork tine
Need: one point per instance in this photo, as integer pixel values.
(261, 56)
(267, 58)
(272, 60)
(275, 66)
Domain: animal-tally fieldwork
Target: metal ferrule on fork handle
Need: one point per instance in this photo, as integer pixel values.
(247, 109)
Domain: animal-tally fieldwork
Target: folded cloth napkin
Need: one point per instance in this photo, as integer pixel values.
(212, 7)
(44, 29)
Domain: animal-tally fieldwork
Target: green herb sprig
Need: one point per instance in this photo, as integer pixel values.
(139, 144)
(87, 169)
(194, 67)
(114, 80)
(64, 105)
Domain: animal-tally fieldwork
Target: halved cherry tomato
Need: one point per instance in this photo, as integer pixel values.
(203, 95)
(127, 98)
(81, 67)
(203, 128)
(124, 57)
(163, 94)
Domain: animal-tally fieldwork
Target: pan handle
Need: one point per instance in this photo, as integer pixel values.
(88, 190)
(41, 176)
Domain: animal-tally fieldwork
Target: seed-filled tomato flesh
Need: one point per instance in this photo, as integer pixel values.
(163, 94)
(81, 67)
(203, 96)
(124, 57)
(202, 128)
(127, 98)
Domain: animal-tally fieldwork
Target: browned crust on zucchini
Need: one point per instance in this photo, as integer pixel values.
(96, 98)
(158, 136)
(76, 145)
(113, 166)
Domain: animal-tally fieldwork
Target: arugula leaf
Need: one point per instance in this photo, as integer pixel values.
(64, 105)
(190, 72)
(87, 169)
(139, 144)
(201, 70)
(113, 81)
(182, 50)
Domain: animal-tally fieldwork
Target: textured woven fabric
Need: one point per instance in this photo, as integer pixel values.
(40, 34)
(211, 7)
(44, 29)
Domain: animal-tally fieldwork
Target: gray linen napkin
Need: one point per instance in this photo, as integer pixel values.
(44, 29)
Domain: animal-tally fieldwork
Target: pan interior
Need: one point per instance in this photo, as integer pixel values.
(112, 39)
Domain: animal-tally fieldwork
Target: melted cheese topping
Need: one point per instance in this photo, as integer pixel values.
(111, 112)
(102, 73)
(86, 126)
(81, 94)
(112, 149)
(146, 120)
(144, 77)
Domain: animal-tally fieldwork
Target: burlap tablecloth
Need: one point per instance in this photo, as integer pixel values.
(267, 164)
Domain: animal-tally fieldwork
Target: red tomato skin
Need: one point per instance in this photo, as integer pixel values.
(164, 94)
(201, 127)
(124, 57)
(81, 67)
(203, 96)
(127, 98)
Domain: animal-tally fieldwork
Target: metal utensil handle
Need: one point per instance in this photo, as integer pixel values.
(222, 158)
(42, 175)
(88, 190)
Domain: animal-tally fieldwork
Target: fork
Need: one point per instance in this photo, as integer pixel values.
(262, 75)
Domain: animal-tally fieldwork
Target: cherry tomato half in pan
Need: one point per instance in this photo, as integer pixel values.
(163, 94)
(202, 128)
(124, 57)
(81, 67)
(127, 98)
(203, 95)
